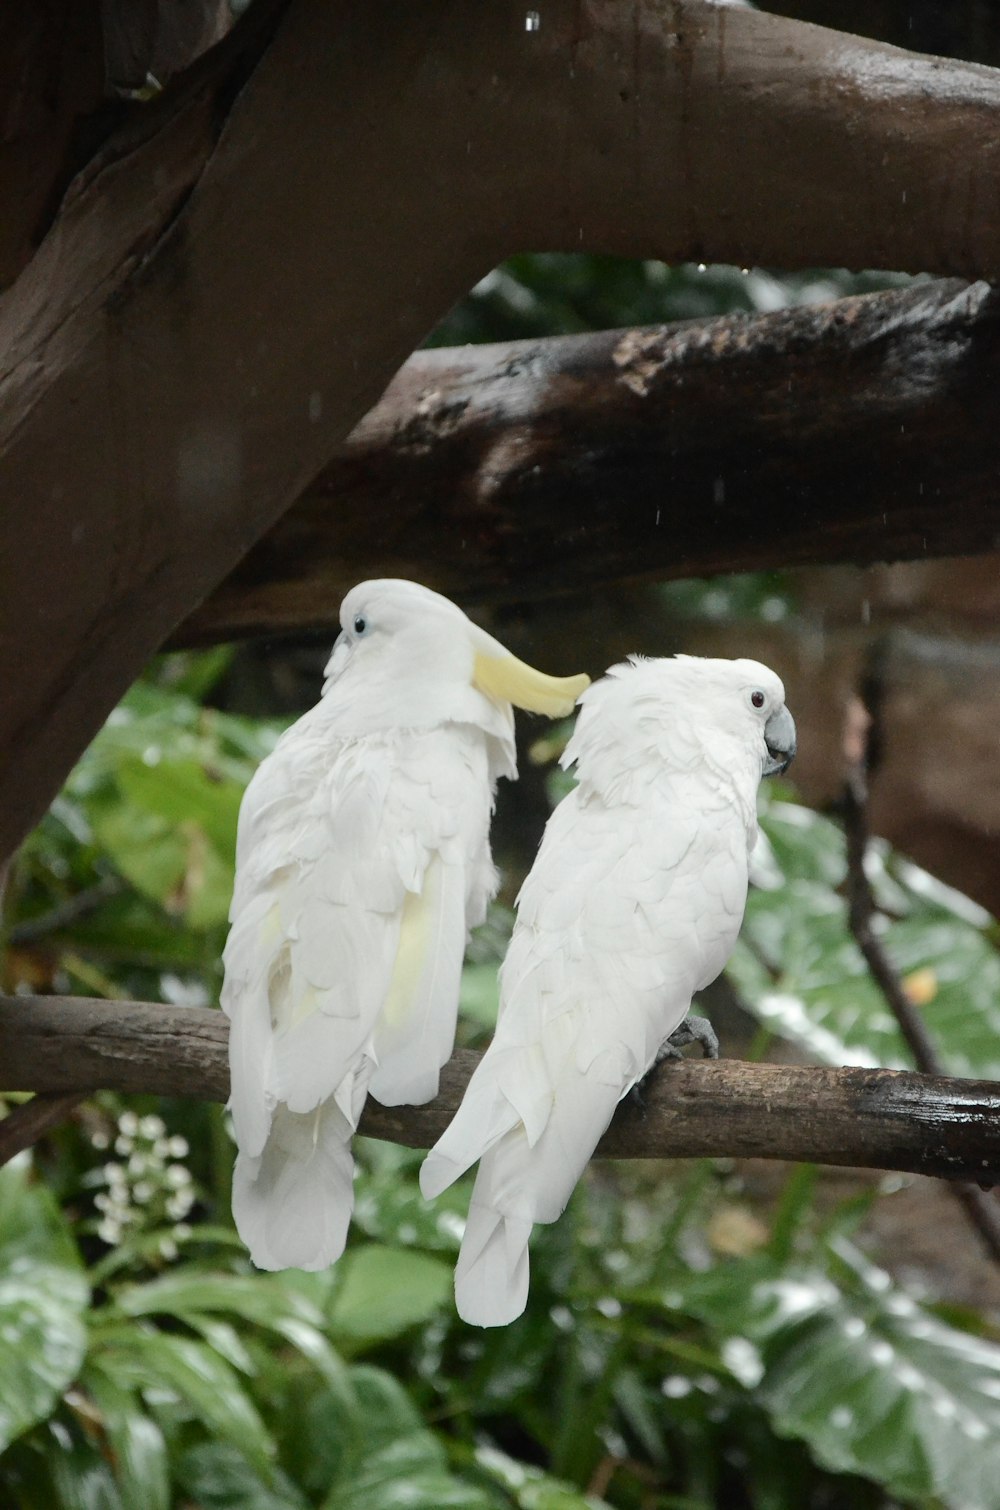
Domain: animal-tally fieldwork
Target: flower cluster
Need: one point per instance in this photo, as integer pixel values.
(149, 1188)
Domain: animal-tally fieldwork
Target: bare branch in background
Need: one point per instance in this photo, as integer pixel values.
(980, 1207)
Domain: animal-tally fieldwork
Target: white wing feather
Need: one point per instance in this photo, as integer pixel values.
(359, 863)
(625, 914)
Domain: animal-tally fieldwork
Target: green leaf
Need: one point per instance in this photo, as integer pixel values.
(382, 1291)
(43, 1297)
(215, 1476)
(532, 1489)
(136, 1358)
(480, 994)
(851, 1364)
(799, 970)
(392, 1461)
(136, 1441)
(262, 1300)
(174, 835)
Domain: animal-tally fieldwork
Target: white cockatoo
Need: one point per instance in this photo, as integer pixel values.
(362, 860)
(633, 904)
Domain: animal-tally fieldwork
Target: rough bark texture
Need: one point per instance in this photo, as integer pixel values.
(230, 284)
(856, 431)
(881, 1119)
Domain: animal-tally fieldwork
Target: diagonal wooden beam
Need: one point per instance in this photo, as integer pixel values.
(230, 283)
(855, 431)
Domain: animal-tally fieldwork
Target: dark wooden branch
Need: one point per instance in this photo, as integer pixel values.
(855, 431)
(25, 1124)
(881, 1119)
(980, 1208)
(231, 280)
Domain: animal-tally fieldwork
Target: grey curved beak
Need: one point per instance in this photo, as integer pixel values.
(779, 736)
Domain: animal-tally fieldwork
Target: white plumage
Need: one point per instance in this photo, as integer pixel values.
(633, 904)
(362, 860)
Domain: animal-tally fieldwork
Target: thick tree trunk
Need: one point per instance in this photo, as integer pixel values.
(880, 1119)
(229, 286)
(856, 431)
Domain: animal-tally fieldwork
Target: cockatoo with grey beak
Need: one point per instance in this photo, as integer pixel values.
(633, 904)
(362, 860)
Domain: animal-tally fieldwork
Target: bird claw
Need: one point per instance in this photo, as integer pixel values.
(691, 1030)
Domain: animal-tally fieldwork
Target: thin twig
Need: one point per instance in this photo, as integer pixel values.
(25, 1124)
(64, 913)
(980, 1208)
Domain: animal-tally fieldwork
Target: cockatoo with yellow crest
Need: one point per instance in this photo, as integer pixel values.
(632, 905)
(362, 860)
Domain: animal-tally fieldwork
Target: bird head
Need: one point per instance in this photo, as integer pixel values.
(680, 714)
(416, 656)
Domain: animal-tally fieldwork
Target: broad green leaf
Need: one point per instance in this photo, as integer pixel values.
(183, 791)
(59, 1468)
(43, 1297)
(139, 1453)
(801, 973)
(393, 1462)
(530, 1488)
(165, 848)
(854, 1366)
(215, 1476)
(382, 1291)
(136, 1358)
(262, 1300)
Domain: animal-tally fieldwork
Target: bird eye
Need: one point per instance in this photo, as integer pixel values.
(758, 699)
(360, 624)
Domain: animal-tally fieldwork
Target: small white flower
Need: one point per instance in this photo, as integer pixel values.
(138, 1164)
(179, 1205)
(99, 1140)
(128, 1123)
(152, 1127)
(182, 1231)
(177, 1176)
(114, 1175)
(168, 1247)
(179, 1148)
(123, 1145)
(109, 1232)
(161, 1149)
(143, 1192)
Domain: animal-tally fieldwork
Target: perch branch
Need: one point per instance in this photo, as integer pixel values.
(880, 1119)
(980, 1207)
(535, 467)
(228, 284)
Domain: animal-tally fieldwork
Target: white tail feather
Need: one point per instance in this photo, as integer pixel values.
(293, 1204)
(491, 1277)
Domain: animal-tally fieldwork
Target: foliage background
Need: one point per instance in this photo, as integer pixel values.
(685, 1345)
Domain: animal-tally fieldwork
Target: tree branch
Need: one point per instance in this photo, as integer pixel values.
(980, 1208)
(229, 285)
(25, 1124)
(880, 1119)
(854, 431)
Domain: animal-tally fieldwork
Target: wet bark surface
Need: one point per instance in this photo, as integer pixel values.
(236, 270)
(885, 1119)
(857, 431)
